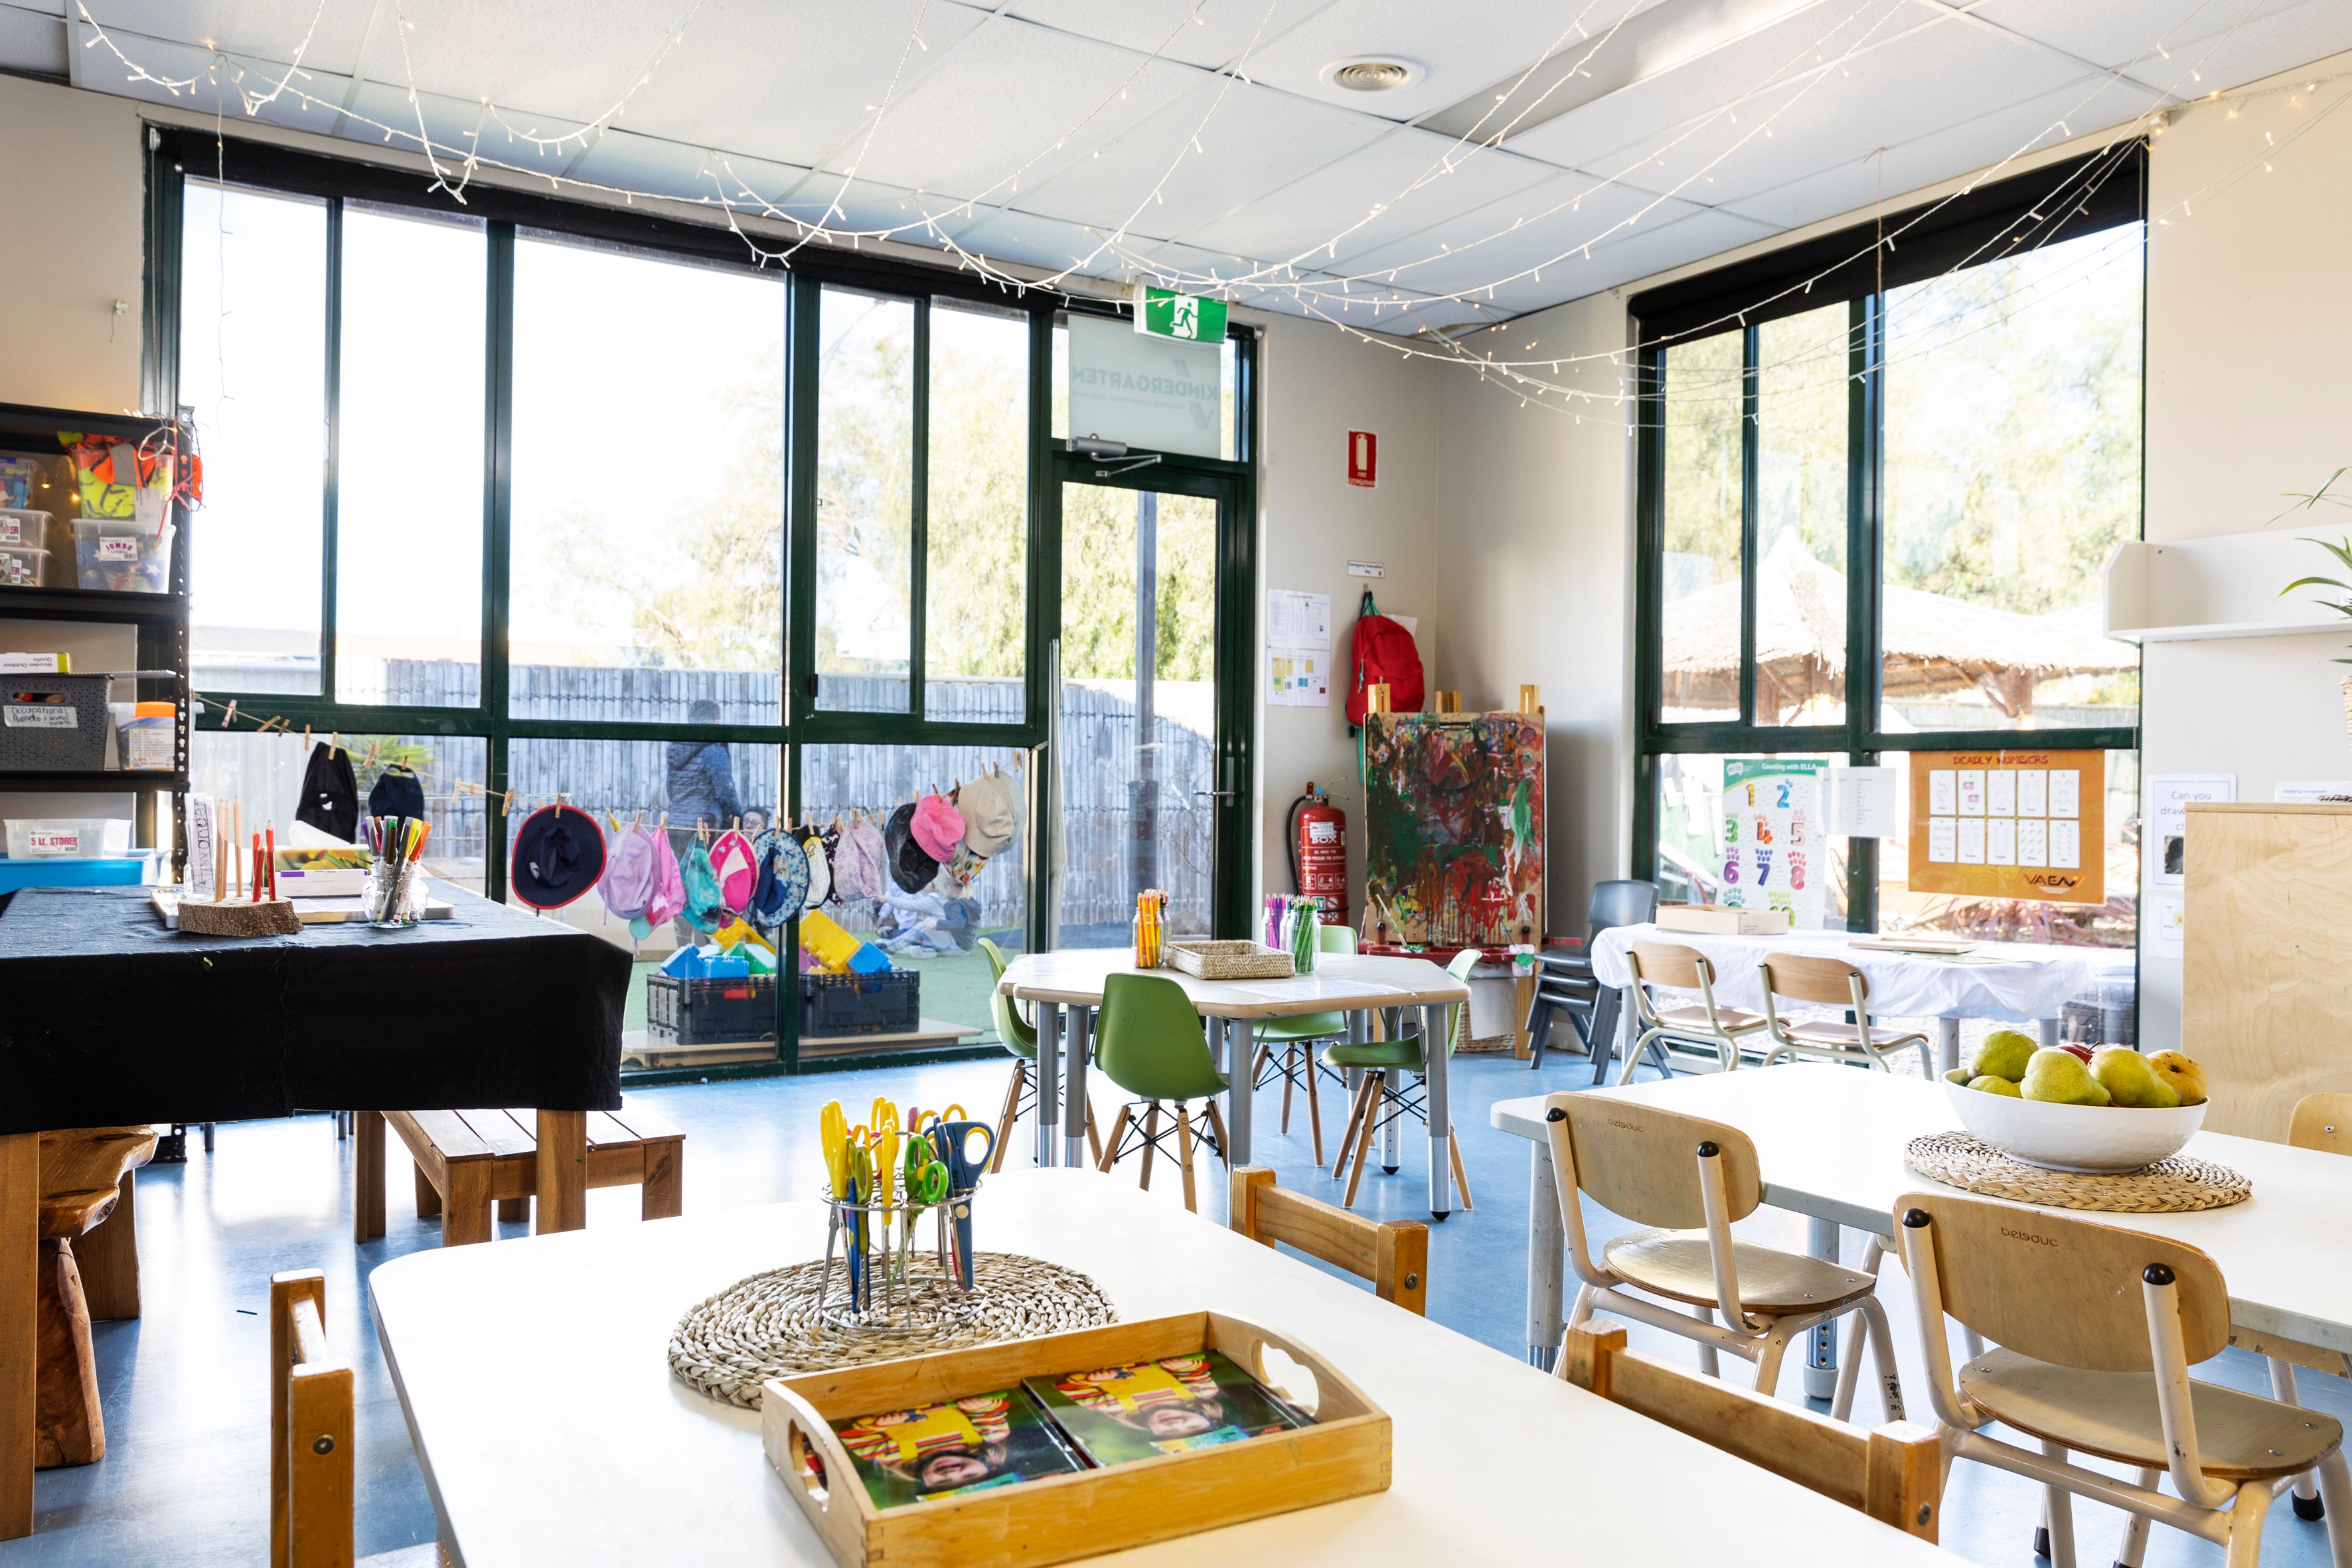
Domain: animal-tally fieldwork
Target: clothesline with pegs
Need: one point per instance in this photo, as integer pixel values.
(510, 799)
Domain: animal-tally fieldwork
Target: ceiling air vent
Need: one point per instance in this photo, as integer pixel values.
(1372, 73)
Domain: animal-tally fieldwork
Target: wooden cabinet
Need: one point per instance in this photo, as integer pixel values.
(2266, 982)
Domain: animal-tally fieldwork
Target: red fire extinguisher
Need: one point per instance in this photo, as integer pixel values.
(1318, 852)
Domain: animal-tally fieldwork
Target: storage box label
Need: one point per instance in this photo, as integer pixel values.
(53, 841)
(118, 547)
(11, 530)
(40, 716)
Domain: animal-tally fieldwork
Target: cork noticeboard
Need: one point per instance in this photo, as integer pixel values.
(2013, 823)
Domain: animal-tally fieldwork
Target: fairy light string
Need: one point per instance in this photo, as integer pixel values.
(1324, 296)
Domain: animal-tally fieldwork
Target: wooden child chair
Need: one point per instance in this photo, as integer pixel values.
(1716, 1028)
(1149, 1043)
(310, 1437)
(2322, 1123)
(2097, 1328)
(1393, 1254)
(1833, 983)
(1019, 1036)
(1382, 1098)
(1895, 1474)
(1689, 1180)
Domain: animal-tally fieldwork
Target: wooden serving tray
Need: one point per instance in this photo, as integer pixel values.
(1215, 959)
(1059, 1518)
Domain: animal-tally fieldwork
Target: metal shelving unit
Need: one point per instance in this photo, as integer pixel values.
(160, 622)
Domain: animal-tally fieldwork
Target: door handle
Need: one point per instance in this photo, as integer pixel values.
(1217, 794)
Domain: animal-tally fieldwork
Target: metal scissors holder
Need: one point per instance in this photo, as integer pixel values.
(897, 1296)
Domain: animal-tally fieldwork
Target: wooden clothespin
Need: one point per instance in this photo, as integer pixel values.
(306, 737)
(229, 718)
(738, 825)
(507, 809)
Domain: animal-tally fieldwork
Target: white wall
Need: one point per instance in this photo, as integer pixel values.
(73, 184)
(1535, 582)
(1318, 385)
(2249, 396)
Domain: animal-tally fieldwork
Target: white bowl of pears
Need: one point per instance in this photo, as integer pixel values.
(2071, 1108)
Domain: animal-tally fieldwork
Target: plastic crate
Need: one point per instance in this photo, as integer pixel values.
(53, 722)
(727, 1011)
(887, 1003)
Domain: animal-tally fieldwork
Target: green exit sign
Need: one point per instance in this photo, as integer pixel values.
(1164, 313)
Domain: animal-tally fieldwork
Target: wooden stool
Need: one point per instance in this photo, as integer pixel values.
(469, 1160)
(86, 1183)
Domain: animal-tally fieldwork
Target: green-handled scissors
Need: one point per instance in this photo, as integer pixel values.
(925, 1177)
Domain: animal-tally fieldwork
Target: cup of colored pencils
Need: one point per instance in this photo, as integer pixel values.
(395, 891)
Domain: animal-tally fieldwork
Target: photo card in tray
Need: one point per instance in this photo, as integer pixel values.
(1165, 1406)
(966, 1445)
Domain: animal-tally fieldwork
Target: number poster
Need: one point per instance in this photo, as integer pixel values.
(2010, 824)
(1775, 838)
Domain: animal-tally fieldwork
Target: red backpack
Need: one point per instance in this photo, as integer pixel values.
(1379, 650)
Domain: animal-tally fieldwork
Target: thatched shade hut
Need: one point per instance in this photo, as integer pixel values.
(1934, 646)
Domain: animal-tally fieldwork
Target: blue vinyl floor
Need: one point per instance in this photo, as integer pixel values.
(185, 1479)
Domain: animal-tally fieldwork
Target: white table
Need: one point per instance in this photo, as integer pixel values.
(553, 1436)
(1829, 1144)
(2011, 982)
(1068, 986)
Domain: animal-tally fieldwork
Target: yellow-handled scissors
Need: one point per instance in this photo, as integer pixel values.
(833, 1132)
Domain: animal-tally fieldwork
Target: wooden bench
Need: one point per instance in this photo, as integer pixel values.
(86, 1195)
(467, 1161)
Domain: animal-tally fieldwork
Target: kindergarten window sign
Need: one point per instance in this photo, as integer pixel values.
(1775, 846)
(2026, 825)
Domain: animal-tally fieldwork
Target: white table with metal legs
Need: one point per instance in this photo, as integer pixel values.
(1067, 987)
(2286, 1252)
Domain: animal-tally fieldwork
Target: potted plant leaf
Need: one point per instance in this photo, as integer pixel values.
(2340, 599)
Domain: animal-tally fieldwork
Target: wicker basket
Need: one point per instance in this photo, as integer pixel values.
(1211, 960)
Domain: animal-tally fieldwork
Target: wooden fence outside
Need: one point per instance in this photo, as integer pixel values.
(1102, 800)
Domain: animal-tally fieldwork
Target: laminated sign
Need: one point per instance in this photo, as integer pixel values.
(2010, 824)
(1775, 842)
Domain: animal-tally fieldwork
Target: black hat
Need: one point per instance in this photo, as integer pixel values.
(558, 854)
(330, 796)
(396, 793)
(911, 867)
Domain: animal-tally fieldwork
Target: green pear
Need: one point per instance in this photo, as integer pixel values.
(2004, 1054)
(2128, 1079)
(1961, 1076)
(2059, 1077)
(1992, 1084)
(2184, 1077)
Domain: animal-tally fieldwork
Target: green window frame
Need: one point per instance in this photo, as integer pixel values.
(176, 155)
(1860, 265)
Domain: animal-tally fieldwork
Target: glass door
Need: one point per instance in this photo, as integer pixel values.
(1145, 761)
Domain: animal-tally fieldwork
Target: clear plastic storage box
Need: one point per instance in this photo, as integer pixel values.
(120, 556)
(68, 839)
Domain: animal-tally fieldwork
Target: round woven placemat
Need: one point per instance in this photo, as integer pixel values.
(2177, 1185)
(768, 1326)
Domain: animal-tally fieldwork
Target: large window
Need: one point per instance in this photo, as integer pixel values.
(1881, 475)
(549, 503)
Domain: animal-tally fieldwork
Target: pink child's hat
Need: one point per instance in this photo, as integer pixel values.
(937, 827)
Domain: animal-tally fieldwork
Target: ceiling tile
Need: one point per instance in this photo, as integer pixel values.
(256, 29)
(2122, 33)
(1556, 228)
(1250, 139)
(1463, 48)
(742, 78)
(1405, 173)
(1226, 30)
(993, 112)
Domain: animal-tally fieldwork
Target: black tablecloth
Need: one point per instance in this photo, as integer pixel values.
(106, 1017)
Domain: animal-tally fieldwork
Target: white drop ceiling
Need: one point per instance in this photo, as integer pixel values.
(1204, 135)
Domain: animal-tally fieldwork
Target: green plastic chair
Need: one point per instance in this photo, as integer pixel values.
(1150, 1042)
(1285, 1046)
(1379, 1102)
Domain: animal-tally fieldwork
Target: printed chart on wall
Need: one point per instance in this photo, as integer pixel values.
(2010, 824)
(1298, 649)
(1775, 851)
